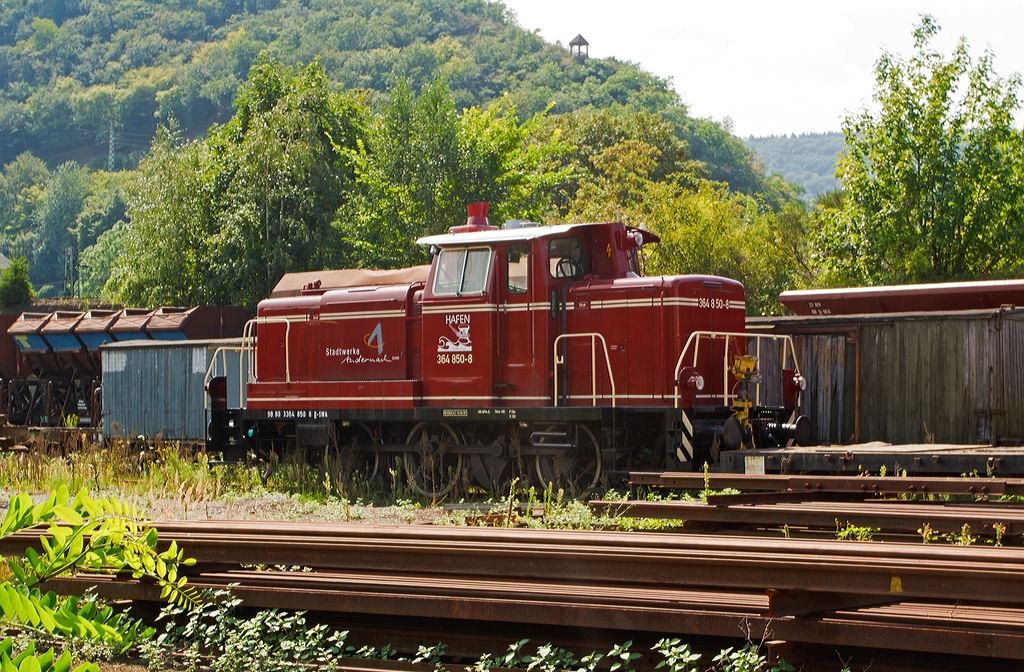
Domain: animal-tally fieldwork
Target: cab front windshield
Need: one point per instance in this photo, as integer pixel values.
(462, 270)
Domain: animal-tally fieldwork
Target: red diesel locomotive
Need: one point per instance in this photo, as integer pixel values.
(536, 351)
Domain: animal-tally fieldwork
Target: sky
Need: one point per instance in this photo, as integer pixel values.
(774, 68)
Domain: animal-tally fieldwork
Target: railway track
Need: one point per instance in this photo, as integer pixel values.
(932, 599)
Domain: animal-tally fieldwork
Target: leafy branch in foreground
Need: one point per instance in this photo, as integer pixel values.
(43, 663)
(86, 535)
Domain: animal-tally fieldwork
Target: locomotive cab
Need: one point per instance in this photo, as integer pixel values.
(497, 299)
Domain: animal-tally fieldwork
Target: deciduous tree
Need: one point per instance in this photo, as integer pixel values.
(220, 220)
(933, 178)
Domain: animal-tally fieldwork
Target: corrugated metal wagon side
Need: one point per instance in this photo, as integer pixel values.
(156, 388)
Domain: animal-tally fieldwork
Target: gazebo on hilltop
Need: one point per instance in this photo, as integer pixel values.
(579, 47)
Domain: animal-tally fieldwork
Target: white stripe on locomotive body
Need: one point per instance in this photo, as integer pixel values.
(332, 317)
(522, 307)
(492, 308)
(268, 400)
(460, 308)
(594, 305)
(651, 397)
(369, 314)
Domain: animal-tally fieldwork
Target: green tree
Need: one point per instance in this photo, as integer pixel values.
(604, 148)
(220, 220)
(98, 259)
(56, 219)
(15, 286)
(422, 162)
(408, 174)
(704, 227)
(161, 257)
(21, 194)
(933, 181)
(713, 231)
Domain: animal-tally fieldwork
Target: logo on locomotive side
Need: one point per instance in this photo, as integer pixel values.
(375, 335)
(375, 340)
(459, 324)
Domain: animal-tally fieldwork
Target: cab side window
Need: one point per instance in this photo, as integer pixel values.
(517, 263)
(461, 271)
(565, 258)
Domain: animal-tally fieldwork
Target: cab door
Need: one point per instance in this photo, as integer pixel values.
(519, 380)
(566, 265)
(458, 335)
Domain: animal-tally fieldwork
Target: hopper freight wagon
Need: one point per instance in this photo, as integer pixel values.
(58, 372)
(536, 351)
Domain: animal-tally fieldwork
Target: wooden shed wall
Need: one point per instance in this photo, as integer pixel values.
(945, 378)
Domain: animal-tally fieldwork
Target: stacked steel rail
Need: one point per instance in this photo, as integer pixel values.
(887, 518)
(925, 507)
(854, 485)
(907, 597)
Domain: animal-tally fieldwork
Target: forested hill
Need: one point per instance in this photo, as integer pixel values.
(808, 159)
(179, 152)
(74, 71)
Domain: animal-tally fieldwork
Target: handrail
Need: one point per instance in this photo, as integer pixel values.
(285, 320)
(211, 369)
(695, 338)
(248, 347)
(593, 363)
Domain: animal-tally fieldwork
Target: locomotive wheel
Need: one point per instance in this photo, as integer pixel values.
(578, 467)
(490, 473)
(431, 470)
(493, 471)
(369, 460)
(361, 463)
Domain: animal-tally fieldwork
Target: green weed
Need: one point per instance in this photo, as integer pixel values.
(928, 535)
(747, 659)
(678, 657)
(854, 532)
(962, 537)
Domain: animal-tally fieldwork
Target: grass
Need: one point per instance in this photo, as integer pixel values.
(169, 468)
(558, 511)
(173, 480)
(162, 469)
(170, 480)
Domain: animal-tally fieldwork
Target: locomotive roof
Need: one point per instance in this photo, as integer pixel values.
(291, 284)
(500, 235)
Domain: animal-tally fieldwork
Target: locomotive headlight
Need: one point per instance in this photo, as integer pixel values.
(698, 382)
(801, 382)
(631, 240)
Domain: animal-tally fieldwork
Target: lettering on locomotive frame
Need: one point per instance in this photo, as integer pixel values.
(289, 414)
(452, 350)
